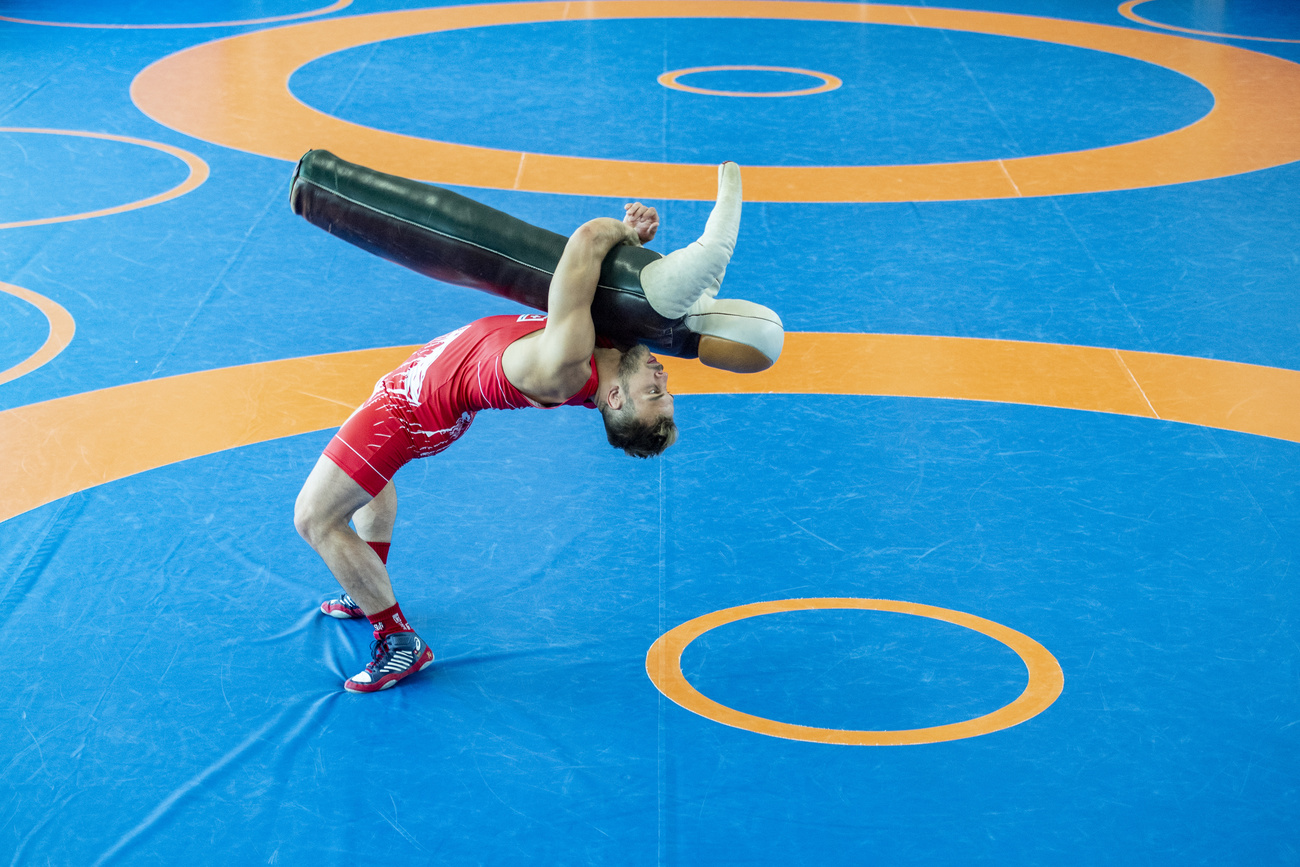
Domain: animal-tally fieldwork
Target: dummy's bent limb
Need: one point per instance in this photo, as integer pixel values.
(683, 277)
(328, 500)
(447, 236)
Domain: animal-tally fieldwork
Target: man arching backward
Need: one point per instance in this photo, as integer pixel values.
(347, 507)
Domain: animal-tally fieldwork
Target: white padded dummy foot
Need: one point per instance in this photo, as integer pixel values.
(736, 335)
(675, 282)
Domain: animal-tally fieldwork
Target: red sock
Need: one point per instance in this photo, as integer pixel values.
(390, 620)
(381, 548)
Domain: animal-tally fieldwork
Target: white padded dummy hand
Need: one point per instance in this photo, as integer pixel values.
(675, 282)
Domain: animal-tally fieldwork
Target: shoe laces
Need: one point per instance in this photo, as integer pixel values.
(378, 652)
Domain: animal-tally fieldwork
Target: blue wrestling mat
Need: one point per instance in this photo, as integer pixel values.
(1011, 631)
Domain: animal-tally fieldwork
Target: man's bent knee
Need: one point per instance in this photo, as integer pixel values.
(326, 502)
(308, 519)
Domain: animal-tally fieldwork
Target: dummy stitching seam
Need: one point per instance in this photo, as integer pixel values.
(732, 315)
(451, 237)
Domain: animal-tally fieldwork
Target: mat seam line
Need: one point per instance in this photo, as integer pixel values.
(1136, 384)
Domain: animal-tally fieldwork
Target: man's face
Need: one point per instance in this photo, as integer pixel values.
(645, 381)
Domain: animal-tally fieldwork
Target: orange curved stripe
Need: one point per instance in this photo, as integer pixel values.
(62, 327)
(1046, 679)
(73, 443)
(334, 7)
(1126, 9)
(1254, 124)
(198, 173)
(69, 444)
(1228, 395)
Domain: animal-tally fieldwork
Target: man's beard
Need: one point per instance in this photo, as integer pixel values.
(632, 360)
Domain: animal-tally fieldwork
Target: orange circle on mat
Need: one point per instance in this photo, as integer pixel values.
(829, 82)
(1046, 680)
(234, 92)
(198, 174)
(1126, 9)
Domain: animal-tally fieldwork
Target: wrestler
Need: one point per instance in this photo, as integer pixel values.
(501, 362)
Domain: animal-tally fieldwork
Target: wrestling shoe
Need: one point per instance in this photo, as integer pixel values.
(394, 657)
(342, 608)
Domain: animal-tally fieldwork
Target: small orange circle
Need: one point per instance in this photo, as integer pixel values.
(829, 82)
(1046, 680)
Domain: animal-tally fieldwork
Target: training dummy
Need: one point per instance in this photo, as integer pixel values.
(668, 302)
(347, 507)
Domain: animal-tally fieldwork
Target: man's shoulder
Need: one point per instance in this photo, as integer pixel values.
(518, 323)
(505, 319)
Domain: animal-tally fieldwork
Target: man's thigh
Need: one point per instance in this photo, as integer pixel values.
(372, 445)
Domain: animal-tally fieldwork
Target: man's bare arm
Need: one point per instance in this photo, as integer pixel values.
(553, 366)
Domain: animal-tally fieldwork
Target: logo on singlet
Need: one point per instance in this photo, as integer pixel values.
(531, 317)
(410, 383)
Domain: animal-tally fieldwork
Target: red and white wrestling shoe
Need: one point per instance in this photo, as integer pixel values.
(343, 608)
(395, 656)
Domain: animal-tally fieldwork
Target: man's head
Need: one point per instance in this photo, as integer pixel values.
(638, 408)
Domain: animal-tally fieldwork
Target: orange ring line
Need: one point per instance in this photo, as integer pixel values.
(73, 443)
(829, 82)
(663, 664)
(198, 174)
(1254, 124)
(1126, 9)
(62, 327)
(340, 4)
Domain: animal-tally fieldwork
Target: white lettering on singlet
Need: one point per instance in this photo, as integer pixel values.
(412, 382)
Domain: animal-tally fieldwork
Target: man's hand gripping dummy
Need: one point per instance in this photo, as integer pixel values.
(668, 303)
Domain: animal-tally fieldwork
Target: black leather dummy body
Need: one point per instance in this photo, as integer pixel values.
(455, 239)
